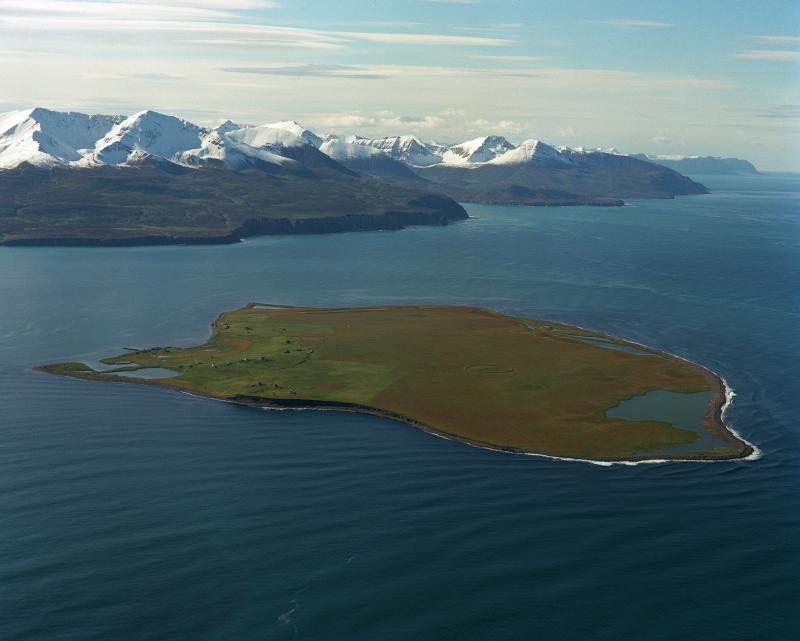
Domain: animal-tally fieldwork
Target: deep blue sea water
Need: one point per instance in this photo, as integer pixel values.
(129, 513)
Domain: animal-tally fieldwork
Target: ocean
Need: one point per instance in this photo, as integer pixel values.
(131, 513)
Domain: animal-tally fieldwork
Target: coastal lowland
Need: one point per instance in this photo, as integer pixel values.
(469, 374)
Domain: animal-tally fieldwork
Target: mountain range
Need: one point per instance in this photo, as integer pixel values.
(69, 177)
(703, 165)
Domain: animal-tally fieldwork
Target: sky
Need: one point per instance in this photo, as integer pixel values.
(708, 77)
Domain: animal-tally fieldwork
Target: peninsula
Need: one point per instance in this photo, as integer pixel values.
(470, 374)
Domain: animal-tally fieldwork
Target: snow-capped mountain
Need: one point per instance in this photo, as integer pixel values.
(229, 125)
(45, 138)
(269, 137)
(367, 160)
(344, 149)
(530, 151)
(48, 138)
(407, 149)
(298, 130)
(288, 140)
(477, 150)
(487, 168)
(148, 133)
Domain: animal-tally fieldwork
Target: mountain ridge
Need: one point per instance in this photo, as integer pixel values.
(703, 165)
(232, 179)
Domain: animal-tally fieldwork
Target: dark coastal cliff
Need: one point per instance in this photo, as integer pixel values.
(157, 204)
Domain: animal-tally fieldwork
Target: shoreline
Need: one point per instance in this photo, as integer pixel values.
(254, 227)
(722, 395)
(721, 399)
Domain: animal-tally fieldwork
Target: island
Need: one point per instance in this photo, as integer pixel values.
(470, 374)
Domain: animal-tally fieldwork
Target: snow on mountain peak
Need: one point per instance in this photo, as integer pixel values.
(408, 149)
(297, 129)
(49, 138)
(477, 150)
(216, 145)
(269, 138)
(529, 151)
(229, 125)
(149, 132)
(348, 149)
(45, 138)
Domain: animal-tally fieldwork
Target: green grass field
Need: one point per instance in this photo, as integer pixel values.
(471, 373)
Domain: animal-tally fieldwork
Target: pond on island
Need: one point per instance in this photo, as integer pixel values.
(679, 409)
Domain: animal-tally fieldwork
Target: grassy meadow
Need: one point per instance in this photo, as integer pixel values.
(468, 372)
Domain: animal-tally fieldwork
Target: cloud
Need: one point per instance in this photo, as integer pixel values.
(156, 76)
(768, 55)
(339, 122)
(130, 9)
(318, 71)
(385, 123)
(136, 18)
(776, 40)
(565, 132)
(661, 140)
(222, 4)
(432, 79)
(507, 58)
(240, 42)
(632, 23)
(782, 111)
(426, 39)
(491, 127)
(105, 7)
(453, 122)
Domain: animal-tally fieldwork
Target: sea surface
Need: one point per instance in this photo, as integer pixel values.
(129, 513)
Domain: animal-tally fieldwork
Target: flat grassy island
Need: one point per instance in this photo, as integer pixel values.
(519, 385)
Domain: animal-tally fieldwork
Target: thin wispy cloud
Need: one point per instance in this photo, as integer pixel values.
(776, 40)
(782, 111)
(390, 123)
(450, 1)
(104, 7)
(317, 71)
(129, 9)
(506, 58)
(385, 121)
(769, 55)
(477, 78)
(165, 77)
(264, 43)
(427, 39)
(633, 23)
(134, 23)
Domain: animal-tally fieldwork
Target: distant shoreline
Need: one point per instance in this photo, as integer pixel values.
(388, 221)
